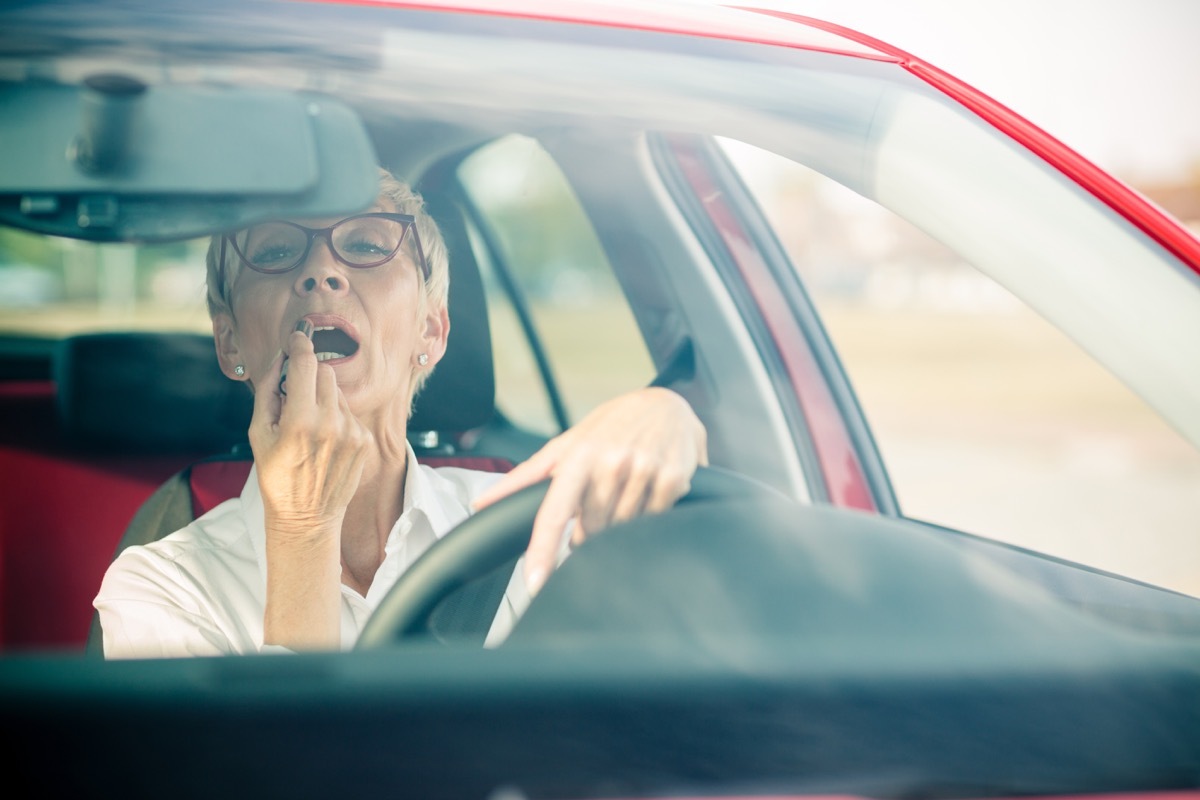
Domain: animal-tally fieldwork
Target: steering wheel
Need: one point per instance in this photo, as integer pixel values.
(497, 534)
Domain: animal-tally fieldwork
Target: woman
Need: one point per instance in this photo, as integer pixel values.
(334, 326)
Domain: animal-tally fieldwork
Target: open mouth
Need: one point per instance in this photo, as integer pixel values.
(332, 343)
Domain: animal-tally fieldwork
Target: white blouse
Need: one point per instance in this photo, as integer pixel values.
(202, 590)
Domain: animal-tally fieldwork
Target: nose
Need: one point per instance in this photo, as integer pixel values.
(321, 272)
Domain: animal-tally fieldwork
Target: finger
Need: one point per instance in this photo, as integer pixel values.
(326, 393)
(605, 488)
(559, 506)
(301, 373)
(669, 485)
(267, 401)
(634, 493)
(579, 533)
(536, 468)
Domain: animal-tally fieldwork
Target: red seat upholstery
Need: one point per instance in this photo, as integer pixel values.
(62, 511)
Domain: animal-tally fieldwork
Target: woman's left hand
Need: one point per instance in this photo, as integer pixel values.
(634, 454)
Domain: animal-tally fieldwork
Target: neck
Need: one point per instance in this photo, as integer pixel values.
(371, 514)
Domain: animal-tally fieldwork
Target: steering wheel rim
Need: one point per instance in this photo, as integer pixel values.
(486, 540)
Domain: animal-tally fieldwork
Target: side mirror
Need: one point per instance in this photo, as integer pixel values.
(117, 160)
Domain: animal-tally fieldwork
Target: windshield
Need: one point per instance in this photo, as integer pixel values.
(881, 430)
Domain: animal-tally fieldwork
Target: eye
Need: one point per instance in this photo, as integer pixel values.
(273, 254)
(367, 240)
(273, 246)
(368, 245)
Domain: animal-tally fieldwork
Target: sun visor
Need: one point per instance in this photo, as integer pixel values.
(115, 159)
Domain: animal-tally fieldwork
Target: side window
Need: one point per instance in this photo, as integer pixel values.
(545, 270)
(988, 419)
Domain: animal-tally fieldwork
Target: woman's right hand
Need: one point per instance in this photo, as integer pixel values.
(309, 449)
(309, 452)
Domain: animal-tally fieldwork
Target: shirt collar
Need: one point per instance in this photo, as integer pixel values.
(421, 497)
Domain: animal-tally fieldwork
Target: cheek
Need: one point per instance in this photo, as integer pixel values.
(398, 339)
(395, 313)
(257, 315)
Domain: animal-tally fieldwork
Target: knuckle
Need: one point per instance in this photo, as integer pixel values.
(612, 461)
(590, 521)
(673, 478)
(644, 466)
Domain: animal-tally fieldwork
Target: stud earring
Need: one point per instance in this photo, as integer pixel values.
(423, 359)
(239, 370)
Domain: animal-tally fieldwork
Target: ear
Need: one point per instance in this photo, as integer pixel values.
(225, 340)
(434, 336)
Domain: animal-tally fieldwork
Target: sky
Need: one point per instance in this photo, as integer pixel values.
(1117, 80)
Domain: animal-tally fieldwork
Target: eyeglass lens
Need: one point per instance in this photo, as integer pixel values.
(359, 241)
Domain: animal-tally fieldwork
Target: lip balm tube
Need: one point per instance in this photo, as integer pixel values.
(305, 327)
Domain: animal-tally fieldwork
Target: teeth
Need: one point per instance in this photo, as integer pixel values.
(324, 328)
(329, 356)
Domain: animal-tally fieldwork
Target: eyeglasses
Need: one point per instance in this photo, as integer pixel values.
(362, 241)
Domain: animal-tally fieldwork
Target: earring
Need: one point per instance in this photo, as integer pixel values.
(423, 359)
(239, 370)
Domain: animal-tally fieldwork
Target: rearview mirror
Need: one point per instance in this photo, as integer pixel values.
(117, 160)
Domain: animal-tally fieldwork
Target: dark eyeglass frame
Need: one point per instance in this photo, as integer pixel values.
(410, 225)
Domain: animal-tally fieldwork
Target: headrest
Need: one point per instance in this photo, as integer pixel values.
(148, 392)
(461, 393)
(164, 392)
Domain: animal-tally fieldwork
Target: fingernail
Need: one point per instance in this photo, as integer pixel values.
(535, 579)
(305, 327)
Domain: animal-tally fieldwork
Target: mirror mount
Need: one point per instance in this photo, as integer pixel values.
(110, 105)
